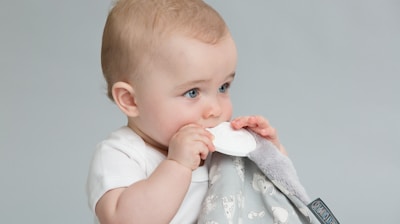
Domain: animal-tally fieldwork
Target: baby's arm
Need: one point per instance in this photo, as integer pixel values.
(261, 126)
(158, 198)
(153, 200)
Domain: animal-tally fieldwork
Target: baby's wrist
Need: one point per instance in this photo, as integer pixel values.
(179, 164)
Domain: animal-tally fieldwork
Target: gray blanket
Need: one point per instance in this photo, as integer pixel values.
(261, 188)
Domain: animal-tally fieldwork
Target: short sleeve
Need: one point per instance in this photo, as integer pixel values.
(110, 169)
(119, 161)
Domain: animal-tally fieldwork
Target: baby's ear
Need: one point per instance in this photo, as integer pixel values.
(124, 96)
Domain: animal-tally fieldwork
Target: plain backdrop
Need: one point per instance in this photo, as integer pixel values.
(325, 73)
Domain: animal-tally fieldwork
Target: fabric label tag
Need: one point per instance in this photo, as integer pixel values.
(322, 212)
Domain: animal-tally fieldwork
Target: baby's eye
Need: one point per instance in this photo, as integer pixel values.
(193, 93)
(224, 88)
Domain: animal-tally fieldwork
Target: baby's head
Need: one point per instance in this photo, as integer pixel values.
(135, 29)
(168, 63)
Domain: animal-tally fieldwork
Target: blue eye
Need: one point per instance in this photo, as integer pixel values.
(224, 88)
(193, 93)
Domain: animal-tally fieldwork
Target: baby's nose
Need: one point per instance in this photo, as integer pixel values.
(212, 109)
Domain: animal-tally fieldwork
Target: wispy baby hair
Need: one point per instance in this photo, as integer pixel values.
(134, 28)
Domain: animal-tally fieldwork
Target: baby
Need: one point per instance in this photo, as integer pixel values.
(168, 65)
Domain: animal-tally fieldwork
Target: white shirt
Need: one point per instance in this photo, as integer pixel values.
(124, 159)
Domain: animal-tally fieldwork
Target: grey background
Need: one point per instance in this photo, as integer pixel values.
(325, 73)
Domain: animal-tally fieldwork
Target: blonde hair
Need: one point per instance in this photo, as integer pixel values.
(135, 27)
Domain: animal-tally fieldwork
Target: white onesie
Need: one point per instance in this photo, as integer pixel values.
(124, 159)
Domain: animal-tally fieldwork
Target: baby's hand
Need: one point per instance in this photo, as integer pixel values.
(190, 145)
(261, 126)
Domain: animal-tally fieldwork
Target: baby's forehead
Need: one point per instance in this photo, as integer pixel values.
(186, 57)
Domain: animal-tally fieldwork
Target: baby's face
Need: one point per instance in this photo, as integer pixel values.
(187, 82)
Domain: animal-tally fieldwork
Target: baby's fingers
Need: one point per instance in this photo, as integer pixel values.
(258, 124)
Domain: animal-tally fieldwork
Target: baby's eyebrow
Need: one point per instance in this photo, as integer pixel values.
(191, 83)
(232, 75)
